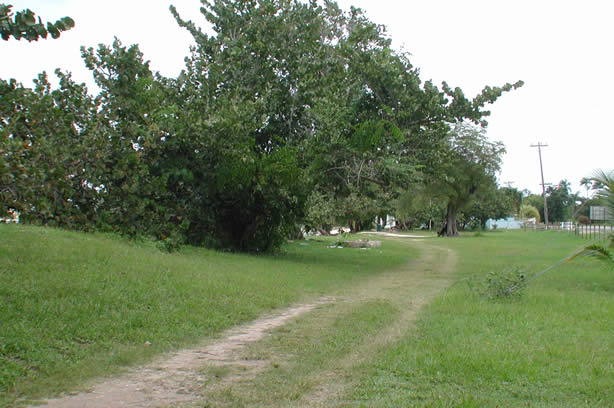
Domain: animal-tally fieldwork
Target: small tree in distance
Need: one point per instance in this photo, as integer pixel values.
(528, 212)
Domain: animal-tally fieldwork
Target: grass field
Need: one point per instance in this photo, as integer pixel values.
(74, 305)
(553, 347)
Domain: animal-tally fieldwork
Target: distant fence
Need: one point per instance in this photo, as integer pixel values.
(551, 227)
(593, 231)
(590, 232)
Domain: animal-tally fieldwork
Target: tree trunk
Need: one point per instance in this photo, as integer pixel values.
(248, 233)
(449, 228)
(324, 232)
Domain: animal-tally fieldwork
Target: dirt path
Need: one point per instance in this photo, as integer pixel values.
(176, 379)
(394, 235)
(189, 377)
(293, 378)
(409, 291)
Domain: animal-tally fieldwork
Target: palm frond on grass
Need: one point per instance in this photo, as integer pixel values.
(596, 251)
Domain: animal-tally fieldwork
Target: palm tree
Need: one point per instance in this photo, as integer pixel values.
(603, 182)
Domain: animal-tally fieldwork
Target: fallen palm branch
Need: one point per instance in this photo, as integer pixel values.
(597, 251)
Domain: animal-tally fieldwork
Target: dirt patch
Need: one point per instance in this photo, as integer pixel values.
(362, 243)
(394, 235)
(179, 378)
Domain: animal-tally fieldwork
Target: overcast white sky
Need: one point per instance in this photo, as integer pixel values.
(561, 49)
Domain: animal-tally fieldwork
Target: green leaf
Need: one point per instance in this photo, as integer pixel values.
(55, 33)
(29, 18)
(59, 25)
(68, 22)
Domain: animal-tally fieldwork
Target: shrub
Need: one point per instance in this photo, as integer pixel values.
(508, 283)
(530, 212)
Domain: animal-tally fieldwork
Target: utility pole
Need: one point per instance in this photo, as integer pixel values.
(539, 148)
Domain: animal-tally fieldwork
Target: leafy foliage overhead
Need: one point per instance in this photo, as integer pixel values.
(25, 24)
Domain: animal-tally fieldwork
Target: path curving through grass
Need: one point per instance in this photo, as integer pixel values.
(175, 379)
(317, 360)
(306, 355)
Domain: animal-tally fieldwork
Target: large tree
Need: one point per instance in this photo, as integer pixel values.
(318, 95)
(467, 167)
(245, 100)
(131, 123)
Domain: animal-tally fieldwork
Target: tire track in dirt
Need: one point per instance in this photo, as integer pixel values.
(410, 292)
(176, 379)
(407, 289)
(187, 377)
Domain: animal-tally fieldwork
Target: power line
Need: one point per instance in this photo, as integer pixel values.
(541, 167)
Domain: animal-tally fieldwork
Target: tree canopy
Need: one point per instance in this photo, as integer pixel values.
(289, 114)
(560, 202)
(466, 168)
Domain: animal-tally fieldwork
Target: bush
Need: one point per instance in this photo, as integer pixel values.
(530, 212)
(508, 283)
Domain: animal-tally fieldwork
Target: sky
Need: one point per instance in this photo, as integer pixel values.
(561, 49)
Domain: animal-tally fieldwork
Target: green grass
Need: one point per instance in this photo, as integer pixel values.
(74, 305)
(303, 348)
(550, 348)
(312, 360)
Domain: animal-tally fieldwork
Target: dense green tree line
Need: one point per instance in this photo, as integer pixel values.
(563, 204)
(291, 114)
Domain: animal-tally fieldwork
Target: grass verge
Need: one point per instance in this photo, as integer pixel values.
(552, 347)
(76, 305)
